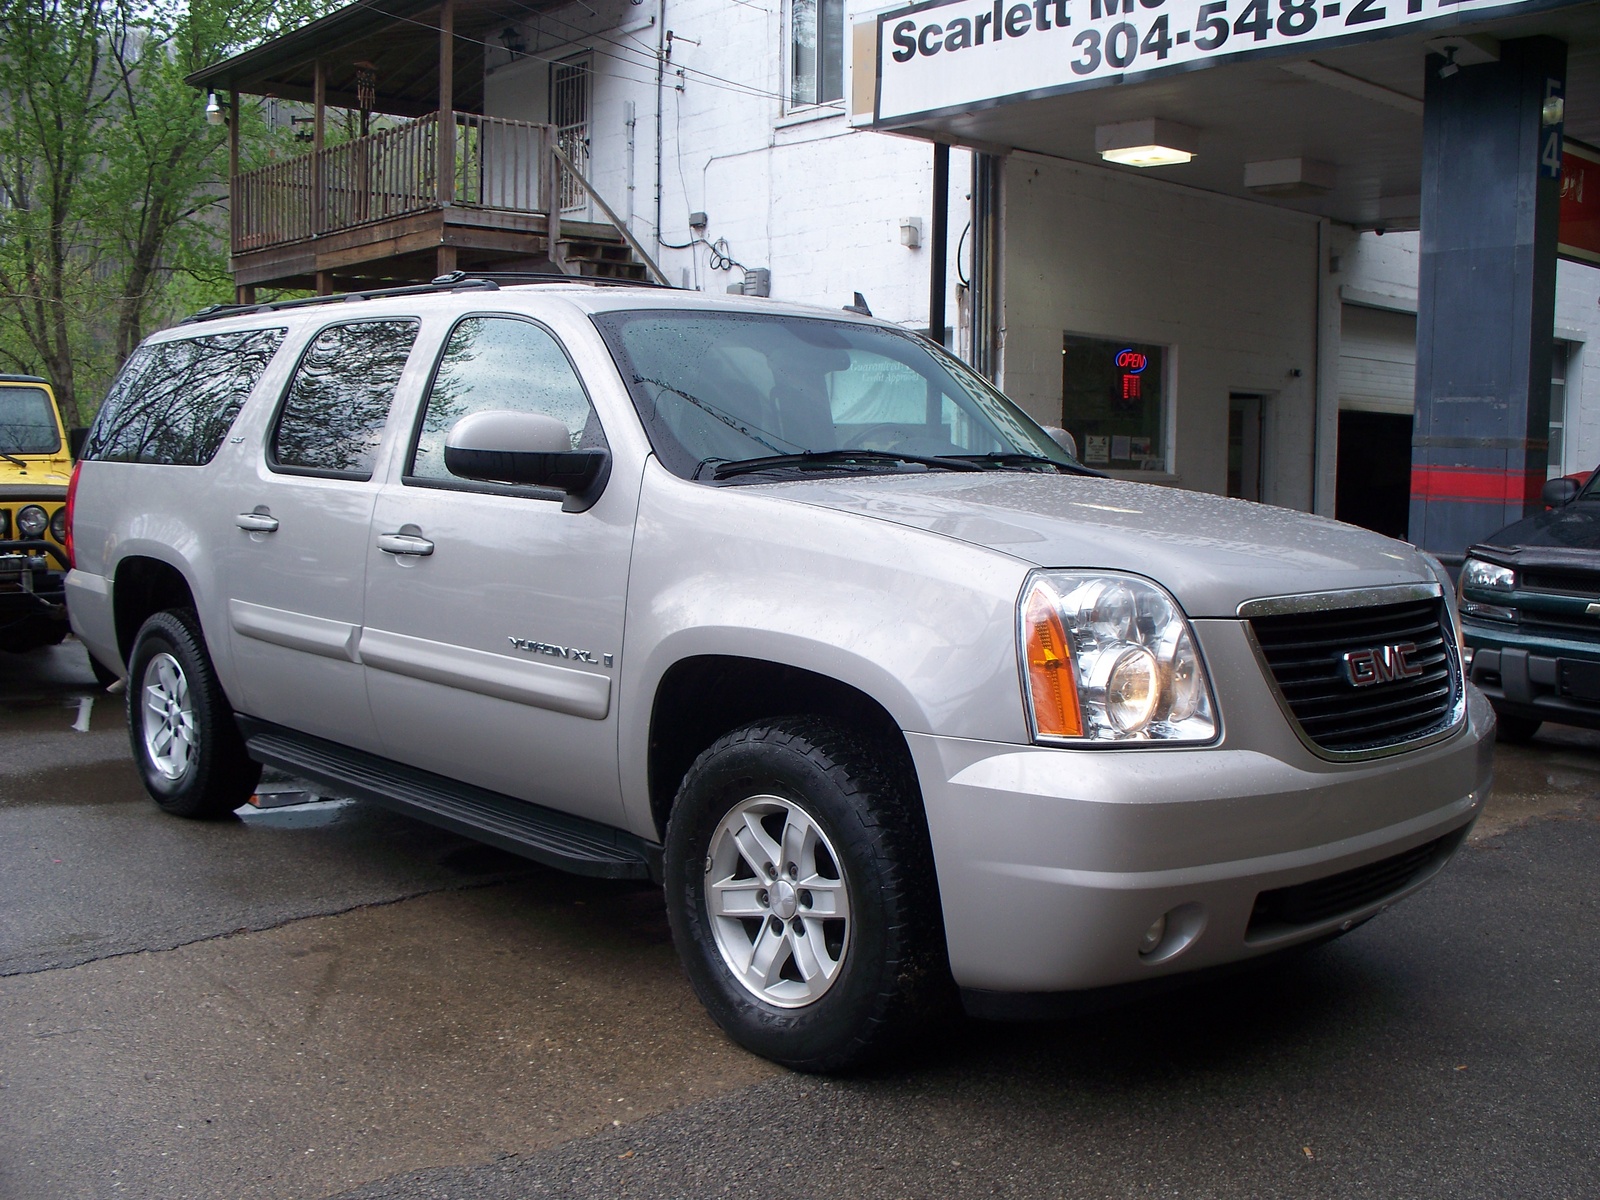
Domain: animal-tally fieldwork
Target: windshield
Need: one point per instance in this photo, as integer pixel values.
(28, 422)
(715, 389)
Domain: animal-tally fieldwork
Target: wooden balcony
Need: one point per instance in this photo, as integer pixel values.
(411, 202)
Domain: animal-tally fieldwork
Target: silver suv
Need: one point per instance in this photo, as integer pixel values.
(787, 610)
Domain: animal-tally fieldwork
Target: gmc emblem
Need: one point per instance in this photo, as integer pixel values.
(1382, 664)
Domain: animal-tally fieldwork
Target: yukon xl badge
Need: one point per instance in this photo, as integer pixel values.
(570, 653)
(1381, 664)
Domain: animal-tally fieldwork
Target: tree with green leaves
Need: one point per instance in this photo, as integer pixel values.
(112, 184)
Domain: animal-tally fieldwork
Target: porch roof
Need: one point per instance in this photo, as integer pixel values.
(401, 40)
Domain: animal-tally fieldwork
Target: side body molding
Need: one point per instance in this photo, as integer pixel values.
(295, 631)
(521, 681)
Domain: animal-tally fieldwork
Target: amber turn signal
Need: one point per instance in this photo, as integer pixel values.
(1051, 679)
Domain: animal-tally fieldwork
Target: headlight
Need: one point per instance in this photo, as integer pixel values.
(1475, 573)
(58, 525)
(5, 522)
(1111, 658)
(32, 520)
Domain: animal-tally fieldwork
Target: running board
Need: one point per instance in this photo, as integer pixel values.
(553, 838)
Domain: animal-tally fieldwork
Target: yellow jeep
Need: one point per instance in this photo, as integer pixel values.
(35, 468)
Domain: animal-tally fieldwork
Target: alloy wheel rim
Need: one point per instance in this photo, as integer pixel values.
(778, 901)
(171, 740)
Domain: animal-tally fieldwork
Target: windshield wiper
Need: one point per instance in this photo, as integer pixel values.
(753, 432)
(834, 458)
(1023, 460)
(13, 460)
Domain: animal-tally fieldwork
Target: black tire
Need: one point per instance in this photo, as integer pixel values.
(206, 774)
(889, 970)
(1514, 729)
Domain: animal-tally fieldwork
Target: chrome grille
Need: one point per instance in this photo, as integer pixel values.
(1305, 652)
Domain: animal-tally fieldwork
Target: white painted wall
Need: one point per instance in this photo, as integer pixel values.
(800, 194)
(1229, 285)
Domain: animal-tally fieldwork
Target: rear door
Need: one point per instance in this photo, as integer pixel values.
(294, 565)
(494, 618)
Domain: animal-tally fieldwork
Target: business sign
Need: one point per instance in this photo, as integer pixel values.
(936, 58)
(1579, 236)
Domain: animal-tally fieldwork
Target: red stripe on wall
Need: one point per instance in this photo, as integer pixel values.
(1460, 483)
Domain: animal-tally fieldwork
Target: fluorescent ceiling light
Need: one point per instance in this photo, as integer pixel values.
(1148, 143)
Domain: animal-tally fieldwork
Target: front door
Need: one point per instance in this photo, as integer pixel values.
(294, 564)
(494, 618)
(569, 112)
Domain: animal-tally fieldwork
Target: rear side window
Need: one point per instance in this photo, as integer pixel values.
(175, 401)
(336, 405)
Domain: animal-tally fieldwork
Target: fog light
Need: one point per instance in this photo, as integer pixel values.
(1153, 936)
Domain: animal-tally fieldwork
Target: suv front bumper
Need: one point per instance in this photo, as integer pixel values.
(1541, 677)
(1054, 865)
(33, 576)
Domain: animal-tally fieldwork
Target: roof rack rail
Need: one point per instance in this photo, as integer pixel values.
(511, 278)
(455, 281)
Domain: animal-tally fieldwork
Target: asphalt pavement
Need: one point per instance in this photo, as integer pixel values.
(333, 1001)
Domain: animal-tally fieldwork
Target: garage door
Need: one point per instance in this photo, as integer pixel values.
(1377, 360)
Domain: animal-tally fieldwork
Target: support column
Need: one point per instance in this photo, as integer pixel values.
(447, 103)
(319, 190)
(939, 242)
(986, 174)
(241, 295)
(1486, 292)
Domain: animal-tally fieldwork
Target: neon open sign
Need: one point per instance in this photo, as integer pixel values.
(1132, 361)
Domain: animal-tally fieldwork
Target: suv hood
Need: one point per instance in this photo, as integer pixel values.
(1210, 552)
(1574, 526)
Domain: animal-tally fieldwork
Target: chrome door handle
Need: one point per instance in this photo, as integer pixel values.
(404, 543)
(257, 522)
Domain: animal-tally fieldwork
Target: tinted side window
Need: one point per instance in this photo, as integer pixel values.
(336, 405)
(175, 401)
(507, 364)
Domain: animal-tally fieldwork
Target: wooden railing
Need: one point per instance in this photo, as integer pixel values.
(489, 163)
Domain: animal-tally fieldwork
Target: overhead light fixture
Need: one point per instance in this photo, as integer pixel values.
(214, 115)
(516, 45)
(1289, 178)
(1151, 142)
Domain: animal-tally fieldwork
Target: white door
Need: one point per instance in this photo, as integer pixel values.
(494, 623)
(569, 113)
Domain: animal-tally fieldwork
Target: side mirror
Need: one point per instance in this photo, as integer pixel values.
(1557, 492)
(527, 449)
(76, 437)
(1063, 439)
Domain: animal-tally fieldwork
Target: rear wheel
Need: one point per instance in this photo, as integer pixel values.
(180, 724)
(801, 893)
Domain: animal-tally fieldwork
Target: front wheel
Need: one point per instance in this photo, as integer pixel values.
(185, 742)
(801, 893)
